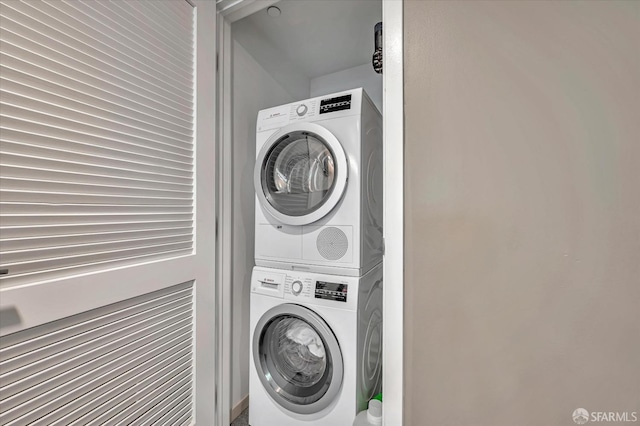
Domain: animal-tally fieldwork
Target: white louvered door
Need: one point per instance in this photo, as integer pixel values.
(107, 212)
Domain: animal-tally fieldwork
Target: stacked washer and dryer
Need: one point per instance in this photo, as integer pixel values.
(316, 290)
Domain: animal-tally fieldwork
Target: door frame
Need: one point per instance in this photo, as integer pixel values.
(230, 11)
(393, 206)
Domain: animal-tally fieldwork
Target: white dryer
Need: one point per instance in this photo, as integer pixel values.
(316, 345)
(318, 183)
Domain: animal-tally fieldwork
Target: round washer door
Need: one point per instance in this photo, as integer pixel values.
(300, 173)
(297, 358)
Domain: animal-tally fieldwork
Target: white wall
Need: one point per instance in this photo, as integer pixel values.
(272, 60)
(360, 76)
(253, 89)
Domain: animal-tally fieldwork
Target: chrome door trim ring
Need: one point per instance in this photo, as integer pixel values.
(340, 180)
(332, 348)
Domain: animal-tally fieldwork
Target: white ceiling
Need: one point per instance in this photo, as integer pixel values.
(320, 36)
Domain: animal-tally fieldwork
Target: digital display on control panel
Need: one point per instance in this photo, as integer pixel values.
(335, 104)
(331, 291)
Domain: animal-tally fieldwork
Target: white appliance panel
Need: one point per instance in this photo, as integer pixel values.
(278, 242)
(353, 313)
(358, 213)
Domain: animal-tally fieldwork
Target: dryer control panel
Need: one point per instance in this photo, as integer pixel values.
(334, 105)
(303, 110)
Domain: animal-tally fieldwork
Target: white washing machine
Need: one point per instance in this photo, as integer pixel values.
(318, 183)
(316, 347)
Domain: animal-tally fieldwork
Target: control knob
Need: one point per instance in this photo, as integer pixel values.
(302, 110)
(296, 287)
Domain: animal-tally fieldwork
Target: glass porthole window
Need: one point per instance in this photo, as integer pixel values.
(299, 173)
(298, 358)
(295, 355)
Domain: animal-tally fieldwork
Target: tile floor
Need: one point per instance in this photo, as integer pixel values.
(242, 419)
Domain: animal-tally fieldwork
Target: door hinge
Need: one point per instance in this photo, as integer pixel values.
(217, 61)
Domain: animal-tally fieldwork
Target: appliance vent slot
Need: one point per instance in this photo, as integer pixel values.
(332, 243)
(126, 363)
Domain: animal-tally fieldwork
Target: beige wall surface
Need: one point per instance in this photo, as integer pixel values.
(522, 241)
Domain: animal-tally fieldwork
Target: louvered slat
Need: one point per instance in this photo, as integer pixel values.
(82, 128)
(178, 8)
(80, 209)
(28, 96)
(56, 393)
(106, 96)
(64, 38)
(147, 408)
(78, 186)
(91, 174)
(96, 135)
(18, 256)
(93, 400)
(21, 354)
(60, 231)
(95, 238)
(61, 89)
(29, 149)
(132, 360)
(149, 374)
(155, 27)
(33, 56)
(14, 344)
(67, 363)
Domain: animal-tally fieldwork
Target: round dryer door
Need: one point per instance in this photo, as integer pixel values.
(297, 358)
(300, 174)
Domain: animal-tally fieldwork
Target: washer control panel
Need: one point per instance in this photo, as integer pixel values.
(331, 291)
(298, 286)
(306, 288)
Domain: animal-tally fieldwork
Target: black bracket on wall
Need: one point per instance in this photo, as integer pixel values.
(377, 54)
